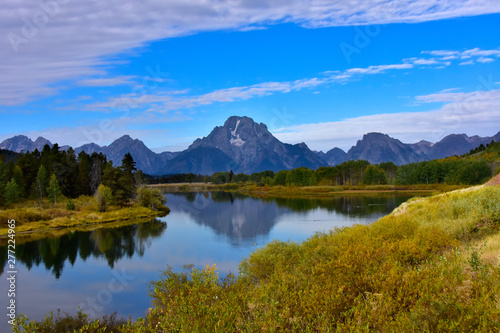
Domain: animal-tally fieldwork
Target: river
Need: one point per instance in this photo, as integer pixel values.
(108, 269)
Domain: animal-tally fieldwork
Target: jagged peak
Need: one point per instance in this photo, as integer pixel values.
(21, 136)
(126, 139)
(41, 139)
(375, 134)
(242, 121)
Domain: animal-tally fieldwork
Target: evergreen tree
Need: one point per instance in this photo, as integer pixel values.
(128, 164)
(69, 181)
(54, 189)
(127, 179)
(3, 181)
(84, 167)
(12, 192)
(28, 163)
(42, 181)
(19, 178)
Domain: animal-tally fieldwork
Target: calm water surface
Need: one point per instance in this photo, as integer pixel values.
(108, 269)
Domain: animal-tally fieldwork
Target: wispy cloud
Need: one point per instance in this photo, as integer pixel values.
(108, 82)
(468, 57)
(164, 101)
(468, 62)
(485, 60)
(76, 39)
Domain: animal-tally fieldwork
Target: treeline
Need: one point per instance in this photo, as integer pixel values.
(54, 173)
(449, 171)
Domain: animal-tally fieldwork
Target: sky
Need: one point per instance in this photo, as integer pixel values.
(317, 71)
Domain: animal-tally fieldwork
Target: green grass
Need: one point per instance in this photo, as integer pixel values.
(416, 270)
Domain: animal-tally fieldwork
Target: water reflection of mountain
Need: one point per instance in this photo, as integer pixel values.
(236, 216)
(242, 217)
(112, 244)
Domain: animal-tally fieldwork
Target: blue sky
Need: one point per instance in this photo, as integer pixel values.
(319, 72)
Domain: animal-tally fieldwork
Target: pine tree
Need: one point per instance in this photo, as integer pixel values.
(12, 192)
(54, 190)
(19, 178)
(95, 174)
(3, 180)
(41, 181)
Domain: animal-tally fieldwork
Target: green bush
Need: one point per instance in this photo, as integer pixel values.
(70, 205)
(151, 198)
(103, 197)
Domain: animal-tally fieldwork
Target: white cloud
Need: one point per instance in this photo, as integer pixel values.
(443, 53)
(164, 101)
(475, 54)
(485, 60)
(462, 113)
(107, 82)
(47, 43)
(426, 62)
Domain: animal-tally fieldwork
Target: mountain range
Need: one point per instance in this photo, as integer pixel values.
(243, 145)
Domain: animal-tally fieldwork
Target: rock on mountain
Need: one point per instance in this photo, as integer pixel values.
(20, 143)
(168, 155)
(333, 157)
(377, 148)
(422, 147)
(242, 145)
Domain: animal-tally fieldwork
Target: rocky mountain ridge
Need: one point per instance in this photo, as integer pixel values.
(243, 145)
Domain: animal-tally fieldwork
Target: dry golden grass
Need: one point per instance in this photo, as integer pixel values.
(30, 216)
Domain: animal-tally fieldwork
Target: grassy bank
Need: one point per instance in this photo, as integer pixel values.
(304, 191)
(31, 216)
(325, 191)
(417, 269)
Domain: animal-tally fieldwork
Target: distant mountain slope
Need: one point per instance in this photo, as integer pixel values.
(199, 160)
(246, 146)
(20, 143)
(458, 144)
(422, 147)
(333, 157)
(243, 145)
(377, 148)
(145, 159)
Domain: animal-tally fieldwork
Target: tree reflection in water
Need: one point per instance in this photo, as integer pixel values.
(110, 243)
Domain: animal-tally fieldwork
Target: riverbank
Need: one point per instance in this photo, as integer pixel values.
(421, 268)
(33, 216)
(304, 191)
